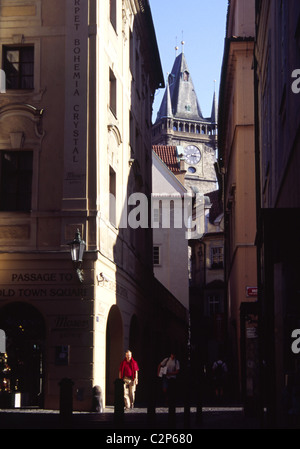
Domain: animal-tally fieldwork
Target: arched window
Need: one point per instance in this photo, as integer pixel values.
(185, 76)
(171, 79)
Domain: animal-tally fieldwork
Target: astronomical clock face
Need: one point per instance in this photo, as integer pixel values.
(192, 155)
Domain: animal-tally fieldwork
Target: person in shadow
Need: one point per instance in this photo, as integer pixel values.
(168, 370)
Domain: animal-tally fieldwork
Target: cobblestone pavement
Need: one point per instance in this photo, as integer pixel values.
(138, 418)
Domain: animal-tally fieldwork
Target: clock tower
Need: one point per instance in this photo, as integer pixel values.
(180, 123)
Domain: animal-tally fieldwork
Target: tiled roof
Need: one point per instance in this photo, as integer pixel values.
(168, 154)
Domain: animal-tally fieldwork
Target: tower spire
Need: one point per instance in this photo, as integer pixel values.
(214, 109)
(180, 99)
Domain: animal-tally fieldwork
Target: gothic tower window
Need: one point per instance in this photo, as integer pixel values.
(170, 79)
(185, 76)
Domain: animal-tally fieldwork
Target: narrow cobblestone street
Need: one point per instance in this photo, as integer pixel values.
(211, 418)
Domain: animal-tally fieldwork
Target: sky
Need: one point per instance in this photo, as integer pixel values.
(201, 25)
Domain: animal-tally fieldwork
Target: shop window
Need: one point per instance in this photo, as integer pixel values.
(18, 65)
(16, 180)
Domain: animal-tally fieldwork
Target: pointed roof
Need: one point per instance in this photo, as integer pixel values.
(214, 109)
(165, 110)
(180, 99)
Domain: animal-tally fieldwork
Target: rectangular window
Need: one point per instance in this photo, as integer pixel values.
(217, 258)
(112, 93)
(137, 72)
(214, 305)
(18, 65)
(112, 196)
(16, 180)
(156, 216)
(113, 13)
(131, 53)
(156, 255)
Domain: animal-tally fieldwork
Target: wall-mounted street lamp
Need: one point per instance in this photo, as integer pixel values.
(77, 247)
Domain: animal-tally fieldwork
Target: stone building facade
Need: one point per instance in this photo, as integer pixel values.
(237, 164)
(277, 63)
(75, 143)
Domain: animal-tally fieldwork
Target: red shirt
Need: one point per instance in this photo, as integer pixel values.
(128, 369)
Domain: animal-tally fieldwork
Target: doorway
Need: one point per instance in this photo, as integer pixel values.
(24, 327)
(114, 351)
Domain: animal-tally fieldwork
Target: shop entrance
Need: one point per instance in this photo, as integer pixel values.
(22, 371)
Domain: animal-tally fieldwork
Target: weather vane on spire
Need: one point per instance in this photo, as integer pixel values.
(182, 42)
(176, 47)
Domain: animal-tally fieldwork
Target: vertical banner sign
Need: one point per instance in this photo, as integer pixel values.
(2, 341)
(75, 151)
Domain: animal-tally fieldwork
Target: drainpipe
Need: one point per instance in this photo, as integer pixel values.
(258, 243)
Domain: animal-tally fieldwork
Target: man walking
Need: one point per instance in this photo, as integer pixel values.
(129, 373)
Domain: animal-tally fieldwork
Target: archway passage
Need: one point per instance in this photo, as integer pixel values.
(25, 340)
(114, 351)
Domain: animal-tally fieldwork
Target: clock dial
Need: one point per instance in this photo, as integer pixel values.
(192, 155)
